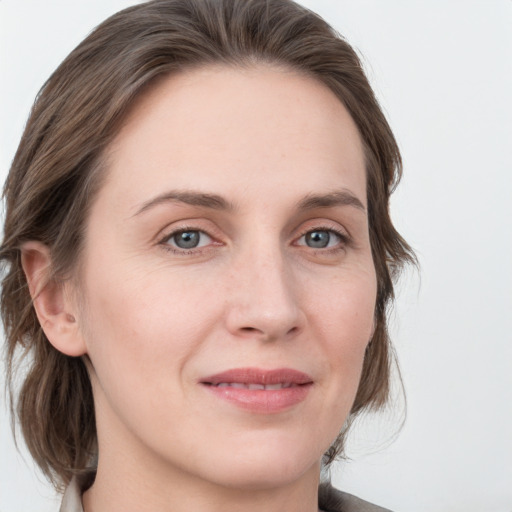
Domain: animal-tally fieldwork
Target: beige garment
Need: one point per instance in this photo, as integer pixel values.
(329, 499)
(72, 501)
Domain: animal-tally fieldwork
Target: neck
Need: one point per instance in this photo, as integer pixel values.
(130, 490)
(131, 477)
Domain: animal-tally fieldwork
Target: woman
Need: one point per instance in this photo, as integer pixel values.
(200, 257)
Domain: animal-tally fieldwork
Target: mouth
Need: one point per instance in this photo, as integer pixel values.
(260, 391)
(253, 386)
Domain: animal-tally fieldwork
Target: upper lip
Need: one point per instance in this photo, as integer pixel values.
(259, 376)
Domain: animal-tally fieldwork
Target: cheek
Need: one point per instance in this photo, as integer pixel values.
(341, 316)
(346, 306)
(344, 315)
(144, 326)
(142, 334)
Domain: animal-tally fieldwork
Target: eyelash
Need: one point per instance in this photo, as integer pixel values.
(344, 238)
(164, 242)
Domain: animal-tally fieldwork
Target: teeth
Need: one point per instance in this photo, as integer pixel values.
(239, 385)
(274, 386)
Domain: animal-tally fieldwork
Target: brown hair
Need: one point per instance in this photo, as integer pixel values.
(57, 171)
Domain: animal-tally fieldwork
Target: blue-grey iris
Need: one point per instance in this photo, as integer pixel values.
(318, 239)
(187, 239)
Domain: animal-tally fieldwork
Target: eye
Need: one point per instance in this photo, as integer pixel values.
(321, 239)
(188, 239)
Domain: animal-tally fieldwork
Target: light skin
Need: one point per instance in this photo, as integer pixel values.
(262, 169)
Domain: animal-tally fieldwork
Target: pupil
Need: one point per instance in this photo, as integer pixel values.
(318, 239)
(187, 239)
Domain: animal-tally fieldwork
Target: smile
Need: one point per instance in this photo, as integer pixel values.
(260, 391)
(241, 385)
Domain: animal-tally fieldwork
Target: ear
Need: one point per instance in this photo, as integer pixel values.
(51, 300)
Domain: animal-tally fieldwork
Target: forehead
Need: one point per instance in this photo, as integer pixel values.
(224, 127)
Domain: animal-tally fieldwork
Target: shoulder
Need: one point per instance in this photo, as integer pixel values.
(332, 500)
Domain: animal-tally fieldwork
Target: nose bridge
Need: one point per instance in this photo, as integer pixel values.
(264, 296)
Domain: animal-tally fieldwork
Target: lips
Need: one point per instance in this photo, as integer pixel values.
(240, 385)
(257, 390)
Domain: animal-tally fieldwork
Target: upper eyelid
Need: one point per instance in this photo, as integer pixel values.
(188, 224)
(345, 238)
(323, 227)
(174, 232)
(165, 243)
(324, 224)
(171, 244)
(217, 234)
(164, 239)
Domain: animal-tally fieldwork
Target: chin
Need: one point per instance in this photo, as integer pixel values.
(259, 477)
(266, 465)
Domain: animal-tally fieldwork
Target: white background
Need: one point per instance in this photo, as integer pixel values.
(442, 70)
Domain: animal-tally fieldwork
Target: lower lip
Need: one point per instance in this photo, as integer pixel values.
(262, 400)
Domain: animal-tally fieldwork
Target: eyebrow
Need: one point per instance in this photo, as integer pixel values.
(337, 198)
(204, 200)
(216, 202)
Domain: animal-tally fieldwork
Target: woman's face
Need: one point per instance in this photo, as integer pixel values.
(228, 281)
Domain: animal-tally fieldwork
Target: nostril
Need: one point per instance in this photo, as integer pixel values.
(251, 330)
(248, 329)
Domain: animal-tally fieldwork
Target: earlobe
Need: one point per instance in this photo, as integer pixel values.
(51, 300)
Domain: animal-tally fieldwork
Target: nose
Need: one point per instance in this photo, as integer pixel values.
(264, 299)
